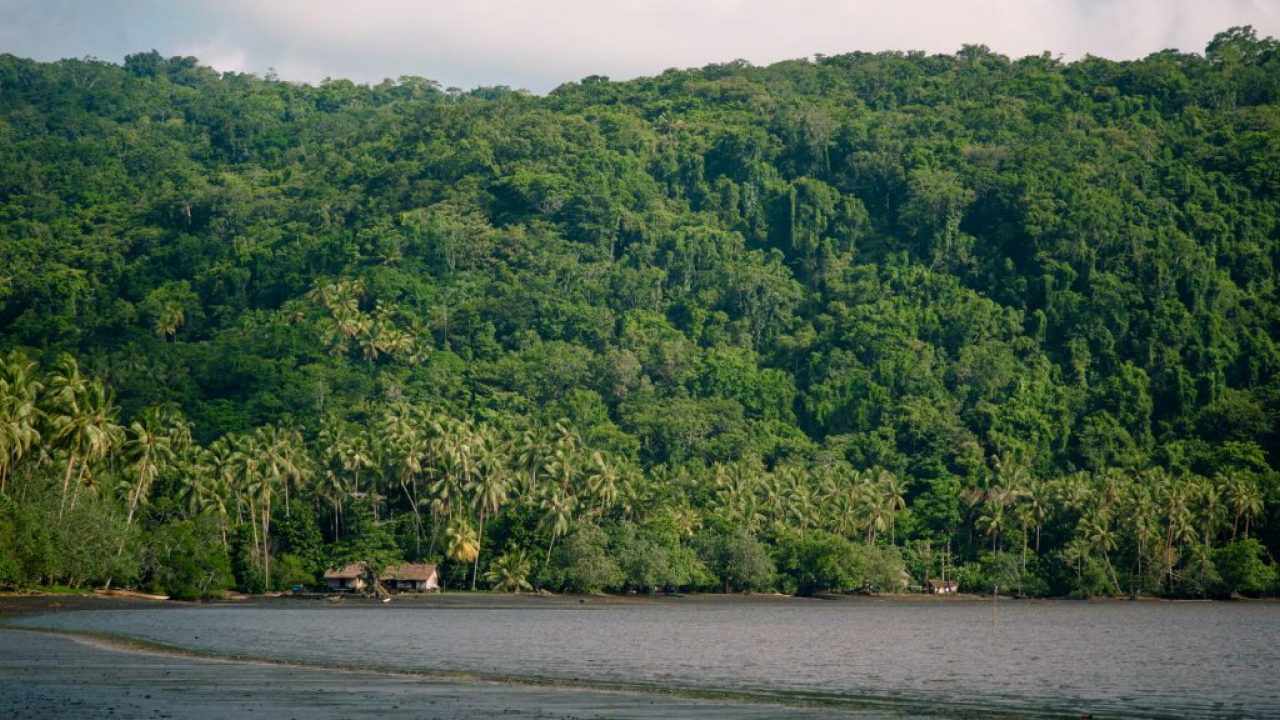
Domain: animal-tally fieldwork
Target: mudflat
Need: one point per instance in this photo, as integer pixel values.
(58, 676)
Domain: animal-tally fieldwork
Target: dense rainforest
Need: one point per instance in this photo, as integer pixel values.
(851, 323)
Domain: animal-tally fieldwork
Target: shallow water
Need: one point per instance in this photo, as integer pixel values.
(1108, 659)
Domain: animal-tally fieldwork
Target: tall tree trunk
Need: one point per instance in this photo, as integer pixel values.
(475, 568)
(550, 545)
(75, 491)
(266, 546)
(66, 481)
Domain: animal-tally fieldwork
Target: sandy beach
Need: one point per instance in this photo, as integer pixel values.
(57, 676)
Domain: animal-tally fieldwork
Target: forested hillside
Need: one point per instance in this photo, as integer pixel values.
(738, 328)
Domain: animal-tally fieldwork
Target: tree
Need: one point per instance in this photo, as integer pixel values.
(488, 488)
(82, 421)
(510, 573)
(1246, 567)
(152, 445)
(20, 415)
(740, 561)
(582, 564)
(820, 561)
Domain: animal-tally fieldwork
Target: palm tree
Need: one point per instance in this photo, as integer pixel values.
(488, 488)
(461, 544)
(283, 457)
(992, 520)
(1139, 510)
(258, 481)
(1038, 500)
(203, 489)
(67, 387)
(1243, 497)
(893, 490)
(407, 449)
(557, 507)
(801, 502)
(153, 443)
(1212, 510)
(510, 573)
(1097, 530)
(602, 482)
(356, 454)
(872, 507)
(446, 488)
(20, 414)
(83, 421)
(530, 450)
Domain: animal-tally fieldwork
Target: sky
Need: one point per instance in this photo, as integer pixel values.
(539, 44)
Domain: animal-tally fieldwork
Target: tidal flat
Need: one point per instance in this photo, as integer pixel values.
(699, 656)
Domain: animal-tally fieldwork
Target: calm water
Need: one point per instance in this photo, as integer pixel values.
(1110, 659)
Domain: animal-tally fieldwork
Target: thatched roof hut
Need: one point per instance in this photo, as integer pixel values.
(348, 578)
(410, 578)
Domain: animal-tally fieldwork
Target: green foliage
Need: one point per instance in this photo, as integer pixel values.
(510, 573)
(1014, 308)
(820, 562)
(739, 561)
(653, 558)
(367, 540)
(1245, 568)
(582, 563)
(185, 559)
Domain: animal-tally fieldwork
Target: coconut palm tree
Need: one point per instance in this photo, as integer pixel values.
(602, 482)
(153, 443)
(356, 454)
(893, 490)
(461, 544)
(83, 422)
(446, 488)
(1038, 499)
(204, 490)
(510, 573)
(258, 482)
(20, 413)
(1243, 497)
(1097, 531)
(557, 507)
(992, 520)
(872, 507)
(67, 389)
(284, 457)
(407, 449)
(488, 488)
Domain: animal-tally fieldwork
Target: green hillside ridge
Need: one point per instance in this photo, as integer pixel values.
(736, 328)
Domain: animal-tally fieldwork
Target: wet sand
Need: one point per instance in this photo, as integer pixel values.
(56, 676)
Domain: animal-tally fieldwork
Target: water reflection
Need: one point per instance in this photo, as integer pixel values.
(1148, 659)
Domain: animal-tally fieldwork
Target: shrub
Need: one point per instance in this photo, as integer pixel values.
(1245, 567)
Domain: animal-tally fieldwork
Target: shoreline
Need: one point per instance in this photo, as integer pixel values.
(18, 603)
(57, 675)
(472, 690)
(72, 654)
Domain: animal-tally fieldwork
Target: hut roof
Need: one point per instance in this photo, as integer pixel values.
(350, 571)
(409, 572)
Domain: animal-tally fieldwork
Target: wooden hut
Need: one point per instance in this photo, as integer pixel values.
(410, 578)
(348, 578)
(942, 587)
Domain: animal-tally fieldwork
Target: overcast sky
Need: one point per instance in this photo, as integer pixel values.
(538, 44)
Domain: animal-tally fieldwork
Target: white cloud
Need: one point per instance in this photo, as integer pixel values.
(541, 43)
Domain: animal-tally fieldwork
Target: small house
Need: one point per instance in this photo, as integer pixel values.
(348, 578)
(942, 587)
(410, 578)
